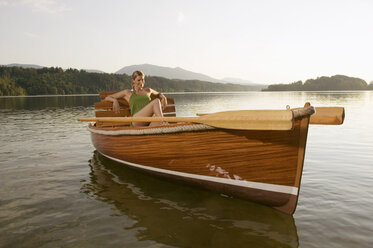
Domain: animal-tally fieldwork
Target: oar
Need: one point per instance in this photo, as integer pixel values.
(241, 119)
(322, 116)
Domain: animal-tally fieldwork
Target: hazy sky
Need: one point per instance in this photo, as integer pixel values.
(262, 41)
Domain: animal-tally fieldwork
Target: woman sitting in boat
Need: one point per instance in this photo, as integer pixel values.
(140, 101)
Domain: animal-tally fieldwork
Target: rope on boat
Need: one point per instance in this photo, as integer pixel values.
(158, 130)
(298, 113)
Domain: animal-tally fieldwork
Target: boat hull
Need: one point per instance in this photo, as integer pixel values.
(262, 166)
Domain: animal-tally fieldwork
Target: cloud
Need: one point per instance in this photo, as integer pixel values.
(46, 6)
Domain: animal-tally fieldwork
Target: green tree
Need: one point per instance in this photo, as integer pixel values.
(335, 83)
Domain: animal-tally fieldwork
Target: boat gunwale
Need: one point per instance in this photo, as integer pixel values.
(175, 127)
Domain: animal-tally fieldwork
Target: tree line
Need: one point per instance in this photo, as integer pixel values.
(18, 81)
(334, 83)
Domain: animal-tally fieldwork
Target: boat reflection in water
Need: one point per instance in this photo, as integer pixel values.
(183, 216)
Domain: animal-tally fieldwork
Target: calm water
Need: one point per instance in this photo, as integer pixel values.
(56, 191)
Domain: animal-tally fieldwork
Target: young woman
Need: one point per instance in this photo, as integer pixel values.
(139, 100)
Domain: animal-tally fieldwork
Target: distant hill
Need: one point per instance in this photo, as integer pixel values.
(39, 67)
(334, 83)
(25, 66)
(180, 73)
(94, 71)
(238, 81)
(167, 72)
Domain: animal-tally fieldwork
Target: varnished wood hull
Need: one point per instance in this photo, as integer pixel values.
(262, 166)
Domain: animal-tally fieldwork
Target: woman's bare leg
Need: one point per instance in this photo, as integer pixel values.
(152, 109)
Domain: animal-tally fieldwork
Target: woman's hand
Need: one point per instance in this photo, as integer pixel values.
(124, 94)
(116, 107)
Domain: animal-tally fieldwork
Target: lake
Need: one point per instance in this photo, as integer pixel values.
(57, 191)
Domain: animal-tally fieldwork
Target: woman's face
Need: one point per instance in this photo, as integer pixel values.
(138, 83)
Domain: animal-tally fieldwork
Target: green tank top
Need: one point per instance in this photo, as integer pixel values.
(137, 102)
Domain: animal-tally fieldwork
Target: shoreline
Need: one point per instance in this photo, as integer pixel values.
(206, 92)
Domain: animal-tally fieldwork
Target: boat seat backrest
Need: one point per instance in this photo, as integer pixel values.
(105, 108)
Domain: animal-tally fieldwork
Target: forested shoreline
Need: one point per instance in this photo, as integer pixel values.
(334, 83)
(18, 81)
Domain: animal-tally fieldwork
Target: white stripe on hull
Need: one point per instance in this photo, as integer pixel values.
(261, 186)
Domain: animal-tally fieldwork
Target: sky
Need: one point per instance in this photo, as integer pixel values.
(263, 41)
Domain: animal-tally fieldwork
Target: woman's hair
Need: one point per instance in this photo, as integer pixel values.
(135, 74)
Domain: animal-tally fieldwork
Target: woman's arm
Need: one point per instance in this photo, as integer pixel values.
(114, 98)
(161, 97)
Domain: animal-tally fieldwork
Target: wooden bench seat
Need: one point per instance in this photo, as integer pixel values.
(105, 109)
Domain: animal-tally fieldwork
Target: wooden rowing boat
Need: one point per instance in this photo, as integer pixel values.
(263, 165)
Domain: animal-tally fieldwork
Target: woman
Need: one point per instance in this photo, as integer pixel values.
(139, 100)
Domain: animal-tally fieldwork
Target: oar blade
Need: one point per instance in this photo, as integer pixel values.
(251, 119)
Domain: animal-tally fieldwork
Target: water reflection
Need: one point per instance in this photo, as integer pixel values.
(336, 98)
(182, 216)
(188, 104)
(44, 102)
(192, 103)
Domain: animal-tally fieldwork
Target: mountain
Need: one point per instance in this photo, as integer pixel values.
(167, 72)
(39, 67)
(238, 81)
(180, 73)
(93, 71)
(25, 66)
